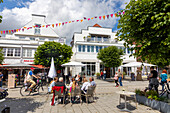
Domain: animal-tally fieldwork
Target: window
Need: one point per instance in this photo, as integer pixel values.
(84, 47)
(10, 52)
(92, 38)
(99, 38)
(124, 50)
(32, 38)
(17, 51)
(88, 48)
(105, 46)
(24, 52)
(4, 51)
(51, 39)
(21, 37)
(42, 39)
(37, 28)
(100, 47)
(128, 50)
(105, 39)
(29, 52)
(79, 48)
(97, 48)
(92, 48)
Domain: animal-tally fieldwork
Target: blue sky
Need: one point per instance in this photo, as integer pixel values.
(16, 13)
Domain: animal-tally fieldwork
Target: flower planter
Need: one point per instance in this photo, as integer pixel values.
(158, 105)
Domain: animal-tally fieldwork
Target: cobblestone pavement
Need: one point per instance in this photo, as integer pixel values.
(106, 101)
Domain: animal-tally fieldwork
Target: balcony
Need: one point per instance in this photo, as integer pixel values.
(100, 40)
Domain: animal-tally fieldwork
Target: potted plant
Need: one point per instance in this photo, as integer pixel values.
(98, 75)
(84, 38)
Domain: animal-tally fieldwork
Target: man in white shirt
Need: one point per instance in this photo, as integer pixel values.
(85, 85)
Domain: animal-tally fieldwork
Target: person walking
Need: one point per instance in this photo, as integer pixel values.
(104, 72)
(101, 75)
(116, 79)
(1, 79)
(164, 77)
(120, 76)
(153, 82)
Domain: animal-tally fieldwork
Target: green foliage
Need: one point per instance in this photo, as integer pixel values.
(1, 1)
(1, 56)
(97, 74)
(110, 56)
(146, 22)
(60, 53)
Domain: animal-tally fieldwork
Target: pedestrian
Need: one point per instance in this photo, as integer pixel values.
(116, 79)
(120, 75)
(104, 72)
(1, 79)
(153, 82)
(101, 74)
(164, 77)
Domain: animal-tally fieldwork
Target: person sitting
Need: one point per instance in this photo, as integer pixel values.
(79, 78)
(60, 84)
(91, 79)
(52, 84)
(84, 88)
(72, 88)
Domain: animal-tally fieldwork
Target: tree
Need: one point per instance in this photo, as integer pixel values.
(1, 1)
(1, 56)
(146, 23)
(60, 53)
(110, 56)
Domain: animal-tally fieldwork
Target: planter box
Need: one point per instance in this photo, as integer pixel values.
(158, 105)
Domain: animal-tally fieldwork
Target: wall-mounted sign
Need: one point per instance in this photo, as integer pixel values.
(28, 60)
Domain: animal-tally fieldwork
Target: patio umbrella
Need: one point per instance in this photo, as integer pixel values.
(52, 71)
(73, 64)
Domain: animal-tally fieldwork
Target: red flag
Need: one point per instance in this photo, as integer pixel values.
(88, 19)
(108, 16)
(120, 13)
(22, 30)
(1, 32)
(12, 31)
(84, 18)
(77, 20)
(56, 25)
(95, 17)
(4, 32)
(111, 15)
(73, 21)
(63, 23)
(100, 17)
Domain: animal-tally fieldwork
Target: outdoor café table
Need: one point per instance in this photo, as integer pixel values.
(127, 96)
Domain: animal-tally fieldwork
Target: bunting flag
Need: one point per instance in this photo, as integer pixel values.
(115, 14)
(52, 25)
(104, 17)
(107, 16)
(111, 15)
(62, 23)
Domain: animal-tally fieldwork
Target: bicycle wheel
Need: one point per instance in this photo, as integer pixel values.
(42, 90)
(24, 91)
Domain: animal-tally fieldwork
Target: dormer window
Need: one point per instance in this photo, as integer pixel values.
(37, 28)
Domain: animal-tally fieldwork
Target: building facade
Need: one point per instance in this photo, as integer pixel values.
(21, 46)
(87, 44)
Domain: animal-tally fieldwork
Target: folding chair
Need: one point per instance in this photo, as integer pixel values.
(75, 92)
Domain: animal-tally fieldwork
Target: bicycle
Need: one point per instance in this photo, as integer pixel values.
(24, 90)
(166, 89)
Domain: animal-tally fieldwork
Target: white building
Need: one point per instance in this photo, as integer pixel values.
(87, 44)
(23, 44)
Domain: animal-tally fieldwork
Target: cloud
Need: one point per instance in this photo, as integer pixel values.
(63, 11)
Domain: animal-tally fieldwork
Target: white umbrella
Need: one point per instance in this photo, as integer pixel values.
(73, 64)
(52, 71)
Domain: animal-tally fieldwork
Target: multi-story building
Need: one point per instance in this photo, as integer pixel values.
(22, 45)
(87, 44)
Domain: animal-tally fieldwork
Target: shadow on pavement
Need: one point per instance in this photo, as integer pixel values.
(22, 105)
(129, 107)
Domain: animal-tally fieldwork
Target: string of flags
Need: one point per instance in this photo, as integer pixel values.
(62, 23)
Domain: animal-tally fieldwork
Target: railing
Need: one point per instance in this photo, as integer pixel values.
(101, 40)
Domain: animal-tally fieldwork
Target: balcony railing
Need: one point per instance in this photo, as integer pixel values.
(101, 40)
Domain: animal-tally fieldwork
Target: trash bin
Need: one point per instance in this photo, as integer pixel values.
(6, 110)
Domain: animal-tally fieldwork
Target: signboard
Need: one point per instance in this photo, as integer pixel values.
(28, 60)
(11, 80)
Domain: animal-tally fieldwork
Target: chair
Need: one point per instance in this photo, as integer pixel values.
(59, 94)
(90, 93)
(75, 92)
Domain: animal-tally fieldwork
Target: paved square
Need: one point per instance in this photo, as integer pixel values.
(106, 101)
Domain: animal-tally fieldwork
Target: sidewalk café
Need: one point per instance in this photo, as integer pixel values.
(19, 70)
